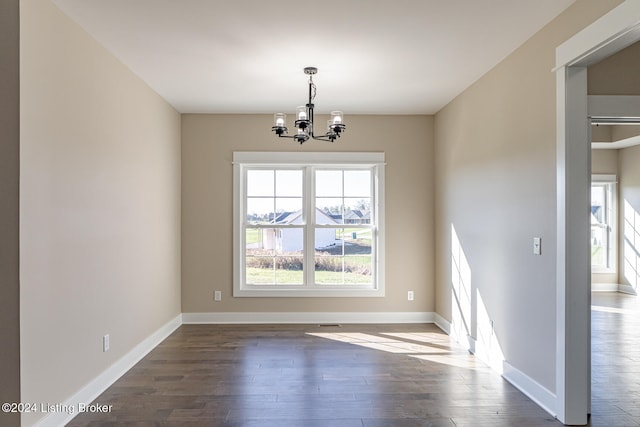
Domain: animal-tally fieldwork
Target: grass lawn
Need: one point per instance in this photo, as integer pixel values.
(597, 255)
(264, 276)
(253, 235)
(347, 233)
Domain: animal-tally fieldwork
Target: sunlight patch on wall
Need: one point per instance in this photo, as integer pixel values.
(460, 291)
(487, 347)
(471, 324)
(631, 246)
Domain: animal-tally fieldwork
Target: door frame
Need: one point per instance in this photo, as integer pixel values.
(611, 33)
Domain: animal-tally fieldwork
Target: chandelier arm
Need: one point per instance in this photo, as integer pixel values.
(298, 138)
(331, 137)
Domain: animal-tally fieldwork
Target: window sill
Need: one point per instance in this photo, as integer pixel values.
(304, 293)
(603, 271)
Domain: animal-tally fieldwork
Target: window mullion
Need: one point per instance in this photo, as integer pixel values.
(241, 216)
(309, 219)
(373, 222)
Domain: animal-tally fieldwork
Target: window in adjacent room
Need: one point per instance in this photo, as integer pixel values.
(308, 224)
(603, 223)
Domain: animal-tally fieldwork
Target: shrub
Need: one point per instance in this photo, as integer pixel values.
(264, 259)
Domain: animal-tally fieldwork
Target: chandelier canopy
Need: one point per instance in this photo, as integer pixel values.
(304, 119)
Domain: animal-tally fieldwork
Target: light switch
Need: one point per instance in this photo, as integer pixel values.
(537, 245)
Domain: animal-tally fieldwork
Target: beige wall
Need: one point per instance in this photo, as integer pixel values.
(101, 204)
(604, 162)
(9, 208)
(496, 185)
(617, 74)
(100, 207)
(629, 217)
(601, 133)
(208, 142)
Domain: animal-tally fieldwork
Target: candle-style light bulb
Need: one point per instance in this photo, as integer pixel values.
(301, 113)
(280, 119)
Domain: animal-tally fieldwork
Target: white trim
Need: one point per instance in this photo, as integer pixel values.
(284, 158)
(609, 34)
(614, 106)
(110, 375)
(613, 287)
(374, 161)
(308, 317)
(627, 289)
(471, 348)
(573, 257)
(311, 291)
(530, 387)
(611, 107)
(610, 182)
(623, 143)
(614, 31)
(442, 323)
(604, 287)
(604, 178)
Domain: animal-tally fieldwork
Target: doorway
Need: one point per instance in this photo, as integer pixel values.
(610, 34)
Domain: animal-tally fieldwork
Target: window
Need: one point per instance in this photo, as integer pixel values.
(603, 221)
(308, 224)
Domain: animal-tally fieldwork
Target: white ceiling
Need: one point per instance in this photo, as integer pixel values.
(373, 56)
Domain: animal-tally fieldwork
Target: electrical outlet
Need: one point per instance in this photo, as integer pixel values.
(217, 296)
(105, 343)
(410, 296)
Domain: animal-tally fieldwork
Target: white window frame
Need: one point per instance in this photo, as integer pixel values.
(612, 216)
(248, 160)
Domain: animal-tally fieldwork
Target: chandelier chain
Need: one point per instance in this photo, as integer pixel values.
(313, 87)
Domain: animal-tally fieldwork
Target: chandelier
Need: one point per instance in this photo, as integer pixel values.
(304, 119)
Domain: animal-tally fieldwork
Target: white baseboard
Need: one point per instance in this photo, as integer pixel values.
(442, 323)
(530, 387)
(100, 383)
(308, 317)
(627, 289)
(613, 287)
(604, 287)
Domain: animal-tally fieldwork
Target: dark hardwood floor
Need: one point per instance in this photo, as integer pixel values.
(615, 359)
(354, 375)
